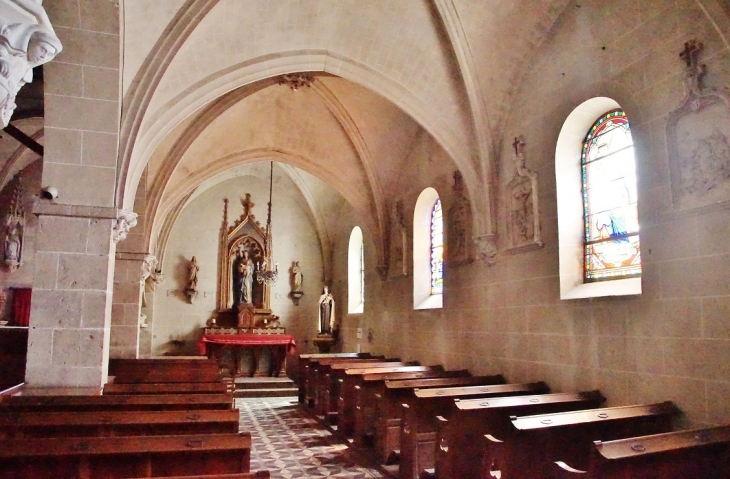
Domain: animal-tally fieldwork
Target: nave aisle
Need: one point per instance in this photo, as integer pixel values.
(291, 444)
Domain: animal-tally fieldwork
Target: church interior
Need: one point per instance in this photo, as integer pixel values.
(413, 181)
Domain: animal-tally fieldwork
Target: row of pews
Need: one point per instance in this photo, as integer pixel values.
(451, 425)
(170, 418)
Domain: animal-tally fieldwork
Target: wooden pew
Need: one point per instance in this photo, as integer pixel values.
(167, 388)
(419, 423)
(697, 453)
(243, 475)
(125, 456)
(23, 425)
(460, 438)
(530, 447)
(334, 373)
(389, 406)
(347, 400)
(319, 371)
(373, 382)
(344, 386)
(166, 371)
(157, 402)
(304, 362)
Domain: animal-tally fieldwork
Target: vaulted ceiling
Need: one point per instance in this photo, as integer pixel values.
(201, 94)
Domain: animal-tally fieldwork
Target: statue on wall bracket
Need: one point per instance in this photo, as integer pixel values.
(297, 279)
(524, 216)
(459, 221)
(14, 231)
(400, 240)
(698, 140)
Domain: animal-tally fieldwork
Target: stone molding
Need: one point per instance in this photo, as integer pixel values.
(487, 248)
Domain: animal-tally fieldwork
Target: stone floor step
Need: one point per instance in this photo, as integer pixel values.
(265, 392)
(264, 383)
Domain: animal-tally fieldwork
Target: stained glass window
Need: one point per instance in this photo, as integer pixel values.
(437, 249)
(609, 200)
(362, 273)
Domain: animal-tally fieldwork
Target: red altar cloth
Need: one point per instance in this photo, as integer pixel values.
(247, 340)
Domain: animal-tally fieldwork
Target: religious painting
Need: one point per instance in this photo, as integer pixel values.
(459, 220)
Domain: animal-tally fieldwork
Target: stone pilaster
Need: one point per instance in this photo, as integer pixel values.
(68, 341)
(126, 305)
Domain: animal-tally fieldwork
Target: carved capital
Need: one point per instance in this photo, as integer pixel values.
(126, 220)
(27, 40)
(486, 248)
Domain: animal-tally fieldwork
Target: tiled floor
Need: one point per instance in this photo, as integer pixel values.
(289, 443)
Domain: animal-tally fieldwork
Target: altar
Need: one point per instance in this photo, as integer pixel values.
(250, 350)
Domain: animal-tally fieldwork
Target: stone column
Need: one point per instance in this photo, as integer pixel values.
(68, 344)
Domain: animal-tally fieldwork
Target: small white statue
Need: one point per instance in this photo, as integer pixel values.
(298, 276)
(326, 312)
(193, 274)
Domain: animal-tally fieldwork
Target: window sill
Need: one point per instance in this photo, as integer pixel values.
(434, 301)
(619, 287)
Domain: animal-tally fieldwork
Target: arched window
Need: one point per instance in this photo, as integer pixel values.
(598, 229)
(437, 249)
(609, 200)
(356, 272)
(428, 251)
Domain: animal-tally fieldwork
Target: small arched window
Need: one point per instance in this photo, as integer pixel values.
(356, 272)
(437, 249)
(428, 251)
(610, 214)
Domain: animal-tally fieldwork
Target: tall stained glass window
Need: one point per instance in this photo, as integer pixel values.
(362, 273)
(612, 248)
(437, 249)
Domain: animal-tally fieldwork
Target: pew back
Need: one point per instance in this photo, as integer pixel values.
(25, 425)
(167, 371)
(128, 456)
(158, 402)
(167, 388)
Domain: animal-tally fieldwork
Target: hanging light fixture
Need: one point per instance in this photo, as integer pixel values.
(264, 272)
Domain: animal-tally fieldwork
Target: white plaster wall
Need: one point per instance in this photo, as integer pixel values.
(196, 233)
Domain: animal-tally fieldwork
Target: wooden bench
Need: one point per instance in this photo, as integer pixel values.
(125, 456)
(697, 453)
(419, 423)
(167, 388)
(460, 438)
(344, 389)
(166, 371)
(530, 447)
(157, 402)
(347, 400)
(389, 406)
(334, 375)
(304, 362)
(22, 425)
(369, 384)
(243, 475)
(319, 374)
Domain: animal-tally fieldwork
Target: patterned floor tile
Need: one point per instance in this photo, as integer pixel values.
(290, 444)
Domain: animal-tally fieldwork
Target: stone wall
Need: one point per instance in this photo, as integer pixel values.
(669, 343)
